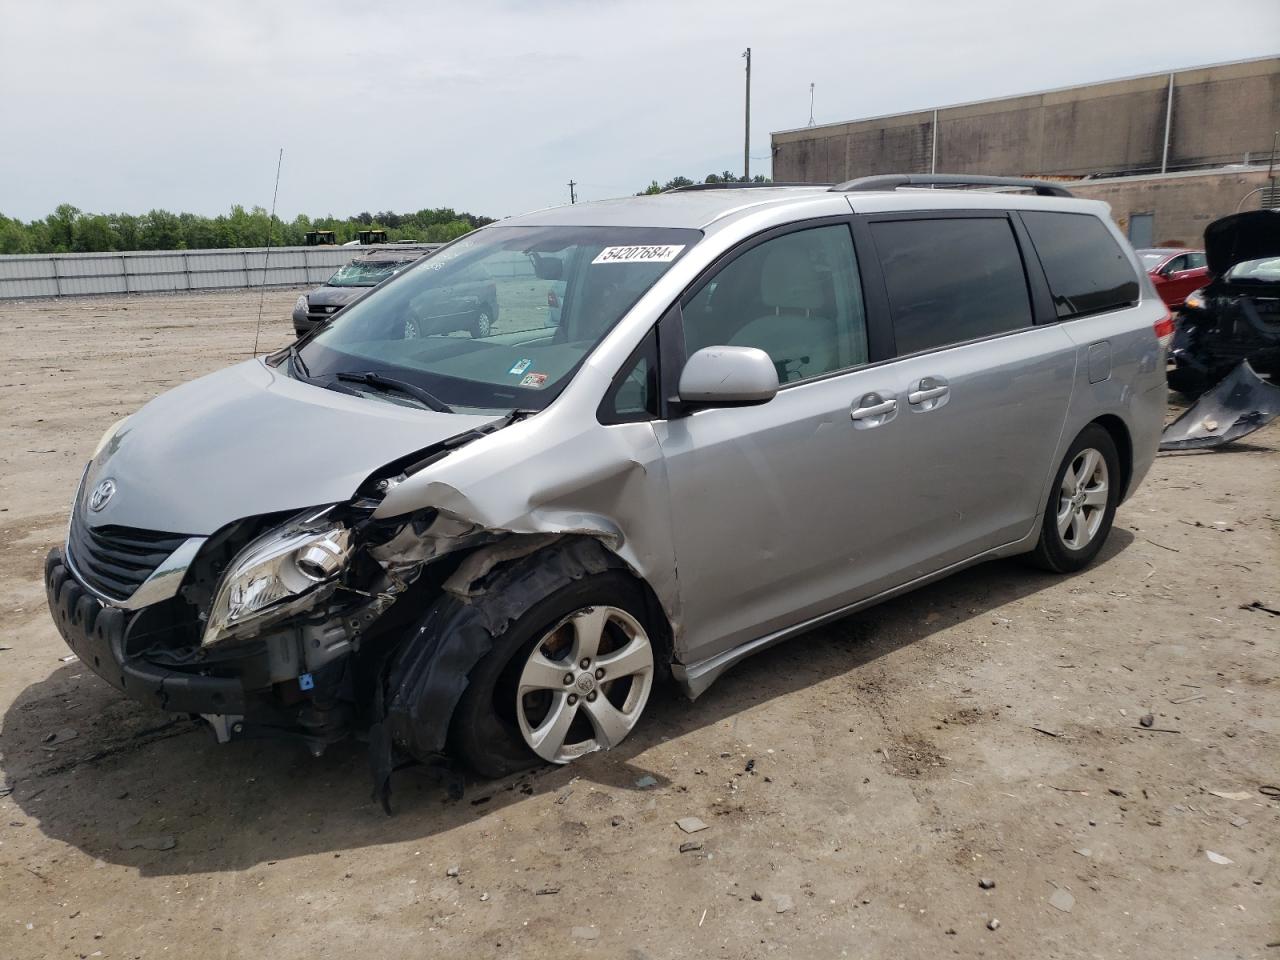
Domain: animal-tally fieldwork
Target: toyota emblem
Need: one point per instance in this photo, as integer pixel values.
(102, 493)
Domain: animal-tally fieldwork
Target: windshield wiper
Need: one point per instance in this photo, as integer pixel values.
(371, 379)
(296, 356)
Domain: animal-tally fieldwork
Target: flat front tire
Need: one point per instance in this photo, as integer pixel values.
(1082, 503)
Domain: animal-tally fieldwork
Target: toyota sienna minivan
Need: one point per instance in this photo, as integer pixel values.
(756, 410)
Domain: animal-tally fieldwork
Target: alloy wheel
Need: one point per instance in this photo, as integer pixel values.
(484, 324)
(584, 684)
(1082, 499)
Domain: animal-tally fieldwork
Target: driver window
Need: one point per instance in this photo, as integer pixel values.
(1176, 264)
(796, 297)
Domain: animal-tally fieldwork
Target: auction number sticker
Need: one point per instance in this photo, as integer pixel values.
(653, 254)
(519, 367)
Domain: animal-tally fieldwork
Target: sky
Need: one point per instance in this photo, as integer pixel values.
(492, 107)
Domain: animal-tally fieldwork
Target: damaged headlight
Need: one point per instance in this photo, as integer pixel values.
(276, 573)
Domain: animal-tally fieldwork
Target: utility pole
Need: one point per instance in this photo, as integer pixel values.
(573, 197)
(746, 138)
(811, 105)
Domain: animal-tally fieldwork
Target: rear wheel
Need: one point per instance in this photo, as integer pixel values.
(1082, 503)
(570, 676)
(482, 325)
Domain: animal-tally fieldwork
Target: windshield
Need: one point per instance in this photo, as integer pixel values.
(501, 318)
(1265, 270)
(364, 273)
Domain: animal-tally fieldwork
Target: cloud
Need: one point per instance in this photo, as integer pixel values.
(492, 107)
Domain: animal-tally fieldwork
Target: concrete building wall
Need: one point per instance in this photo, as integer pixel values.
(1220, 114)
(1181, 204)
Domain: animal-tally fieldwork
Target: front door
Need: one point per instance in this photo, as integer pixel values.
(778, 508)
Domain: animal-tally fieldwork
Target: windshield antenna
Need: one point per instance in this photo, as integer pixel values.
(267, 256)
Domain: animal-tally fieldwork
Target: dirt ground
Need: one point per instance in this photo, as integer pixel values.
(858, 783)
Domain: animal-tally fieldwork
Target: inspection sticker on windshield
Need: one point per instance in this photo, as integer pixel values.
(534, 380)
(658, 254)
(519, 367)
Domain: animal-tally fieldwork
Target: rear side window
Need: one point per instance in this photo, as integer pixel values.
(1086, 269)
(951, 280)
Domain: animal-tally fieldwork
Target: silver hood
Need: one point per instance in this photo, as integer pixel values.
(247, 440)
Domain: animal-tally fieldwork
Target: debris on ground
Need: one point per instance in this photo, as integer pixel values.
(993, 924)
(1241, 403)
(690, 824)
(148, 843)
(782, 903)
(451, 872)
(1218, 858)
(546, 891)
(1062, 900)
(584, 933)
(646, 782)
(690, 845)
(757, 896)
(1147, 719)
(986, 883)
(64, 735)
(1232, 794)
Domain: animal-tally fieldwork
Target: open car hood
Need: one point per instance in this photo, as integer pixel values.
(1251, 235)
(248, 440)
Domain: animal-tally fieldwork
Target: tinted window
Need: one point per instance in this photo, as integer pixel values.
(796, 297)
(951, 280)
(1087, 270)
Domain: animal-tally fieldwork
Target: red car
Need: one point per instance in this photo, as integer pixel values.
(1175, 272)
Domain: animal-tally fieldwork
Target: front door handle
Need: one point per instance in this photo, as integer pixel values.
(874, 410)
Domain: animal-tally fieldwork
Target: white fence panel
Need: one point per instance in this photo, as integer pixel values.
(146, 271)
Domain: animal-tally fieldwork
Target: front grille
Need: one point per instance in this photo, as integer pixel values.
(115, 561)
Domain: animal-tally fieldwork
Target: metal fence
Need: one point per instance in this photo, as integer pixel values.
(171, 271)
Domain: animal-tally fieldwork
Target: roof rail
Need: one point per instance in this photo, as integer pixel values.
(738, 185)
(892, 181)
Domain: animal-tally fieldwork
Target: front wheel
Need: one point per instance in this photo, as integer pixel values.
(570, 676)
(1082, 504)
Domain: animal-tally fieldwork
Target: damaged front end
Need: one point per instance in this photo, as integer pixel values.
(275, 625)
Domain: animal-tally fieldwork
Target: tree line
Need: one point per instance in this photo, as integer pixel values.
(70, 230)
(725, 177)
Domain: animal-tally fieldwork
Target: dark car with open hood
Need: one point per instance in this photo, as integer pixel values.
(1236, 316)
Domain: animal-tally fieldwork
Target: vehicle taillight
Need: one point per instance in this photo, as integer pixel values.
(1164, 329)
(552, 299)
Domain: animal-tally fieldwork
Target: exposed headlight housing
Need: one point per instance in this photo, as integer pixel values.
(275, 575)
(1195, 300)
(301, 303)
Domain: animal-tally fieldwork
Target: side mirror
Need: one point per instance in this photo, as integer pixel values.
(728, 377)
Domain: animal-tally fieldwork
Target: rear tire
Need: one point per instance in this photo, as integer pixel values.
(1082, 503)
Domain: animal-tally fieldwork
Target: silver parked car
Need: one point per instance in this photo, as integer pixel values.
(755, 410)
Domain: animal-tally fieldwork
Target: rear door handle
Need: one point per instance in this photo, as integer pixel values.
(928, 393)
(920, 396)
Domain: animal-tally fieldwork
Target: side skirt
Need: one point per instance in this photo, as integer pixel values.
(694, 678)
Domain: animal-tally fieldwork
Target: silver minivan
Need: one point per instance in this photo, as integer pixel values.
(754, 411)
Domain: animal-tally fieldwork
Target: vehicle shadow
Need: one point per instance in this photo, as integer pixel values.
(154, 792)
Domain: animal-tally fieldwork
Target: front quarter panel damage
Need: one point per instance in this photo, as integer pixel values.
(553, 475)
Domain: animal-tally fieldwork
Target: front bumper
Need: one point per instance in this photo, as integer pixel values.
(99, 635)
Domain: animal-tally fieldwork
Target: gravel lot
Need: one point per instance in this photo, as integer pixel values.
(858, 783)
